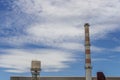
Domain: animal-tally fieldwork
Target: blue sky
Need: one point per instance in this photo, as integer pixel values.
(52, 31)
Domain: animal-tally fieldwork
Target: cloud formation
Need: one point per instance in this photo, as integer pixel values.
(18, 59)
(56, 25)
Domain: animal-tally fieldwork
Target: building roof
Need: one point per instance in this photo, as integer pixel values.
(61, 78)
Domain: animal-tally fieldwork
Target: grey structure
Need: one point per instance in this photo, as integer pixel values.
(61, 78)
(35, 69)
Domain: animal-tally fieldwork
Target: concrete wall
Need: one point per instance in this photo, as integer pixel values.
(49, 78)
(61, 78)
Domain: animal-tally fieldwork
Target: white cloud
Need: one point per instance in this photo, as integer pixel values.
(15, 71)
(54, 31)
(62, 17)
(117, 49)
(75, 46)
(19, 60)
(97, 49)
(70, 46)
(69, 7)
(56, 12)
(62, 28)
(101, 31)
(60, 32)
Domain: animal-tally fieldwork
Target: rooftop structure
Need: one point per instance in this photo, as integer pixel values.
(35, 70)
(62, 78)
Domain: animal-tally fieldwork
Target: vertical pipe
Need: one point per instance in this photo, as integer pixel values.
(87, 53)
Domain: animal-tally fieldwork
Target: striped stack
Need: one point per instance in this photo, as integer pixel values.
(88, 67)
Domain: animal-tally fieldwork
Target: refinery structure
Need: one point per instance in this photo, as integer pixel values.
(36, 67)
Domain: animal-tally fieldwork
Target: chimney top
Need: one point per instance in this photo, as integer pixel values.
(86, 24)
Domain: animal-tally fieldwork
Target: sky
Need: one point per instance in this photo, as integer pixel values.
(52, 31)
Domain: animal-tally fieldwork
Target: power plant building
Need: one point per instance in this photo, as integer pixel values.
(36, 67)
(62, 78)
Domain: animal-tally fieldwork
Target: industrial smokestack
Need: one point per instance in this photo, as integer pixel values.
(88, 67)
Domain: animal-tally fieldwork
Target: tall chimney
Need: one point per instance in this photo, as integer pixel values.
(88, 67)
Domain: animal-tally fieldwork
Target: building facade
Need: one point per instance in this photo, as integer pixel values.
(61, 78)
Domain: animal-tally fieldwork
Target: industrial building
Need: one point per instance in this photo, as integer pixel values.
(61, 78)
(36, 67)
